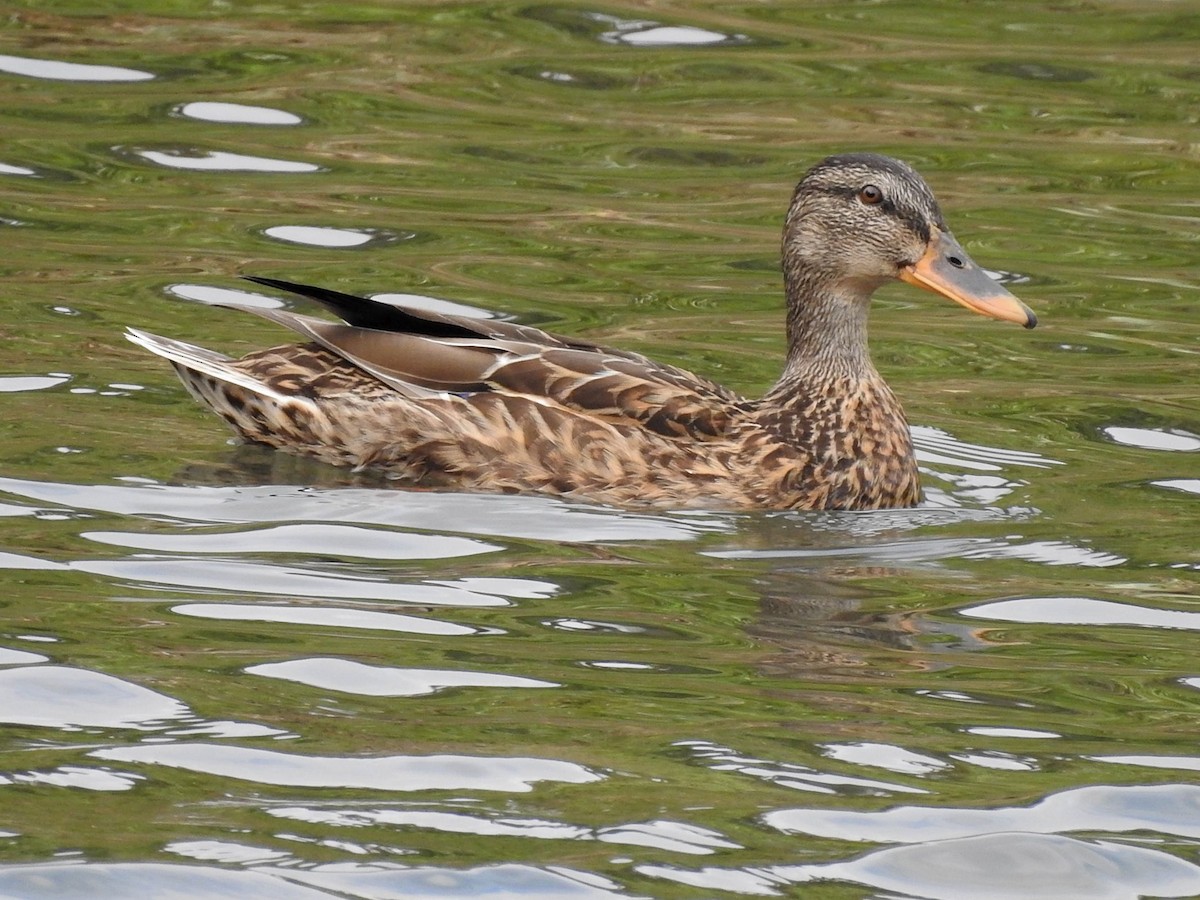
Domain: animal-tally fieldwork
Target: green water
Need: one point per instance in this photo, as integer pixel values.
(230, 673)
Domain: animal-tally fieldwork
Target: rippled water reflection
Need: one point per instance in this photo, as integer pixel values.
(227, 673)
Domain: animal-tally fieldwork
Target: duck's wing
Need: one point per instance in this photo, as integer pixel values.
(463, 356)
(379, 316)
(618, 388)
(411, 364)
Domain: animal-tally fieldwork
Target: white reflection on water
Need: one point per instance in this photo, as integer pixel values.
(886, 756)
(64, 697)
(619, 666)
(386, 773)
(79, 777)
(933, 445)
(319, 236)
(435, 305)
(789, 775)
(66, 71)
(538, 518)
(1050, 553)
(994, 759)
(1187, 485)
(221, 161)
(1165, 808)
(989, 867)
(263, 578)
(435, 820)
(338, 540)
(73, 881)
(19, 561)
(203, 293)
(13, 509)
(17, 383)
(6, 169)
(911, 551)
(675, 837)
(1017, 866)
(577, 625)
(1154, 438)
(226, 852)
(1081, 611)
(236, 113)
(647, 33)
(348, 676)
(224, 728)
(1020, 733)
(503, 881)
(667, 36)
(324, 616)
(9, 657)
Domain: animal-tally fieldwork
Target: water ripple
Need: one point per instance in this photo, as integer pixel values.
(9, 657)
(353, 677)
(499, 881)
(68, 698)
(1162, 808)
(990, 867)
(325, 617)
(384, 773)
(236, 576)
(340, 540)
(886, 756)
(6, 169)
(539, 518)
(77, 777)
(325, 236)
(789, 775)
(235, 113)
(674, 837)
(203, 293)
(18, 383)
(1154, 438)
(72, 881)
(56, 70)
(220, 161)
(1081, 611)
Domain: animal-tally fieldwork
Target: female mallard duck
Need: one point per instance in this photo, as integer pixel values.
(481, 405)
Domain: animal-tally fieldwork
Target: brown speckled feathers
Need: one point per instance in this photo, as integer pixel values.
(483, 405)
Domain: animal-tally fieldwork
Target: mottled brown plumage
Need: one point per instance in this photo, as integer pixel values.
(481, 405)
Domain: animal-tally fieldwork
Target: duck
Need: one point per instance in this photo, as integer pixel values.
(441, 401)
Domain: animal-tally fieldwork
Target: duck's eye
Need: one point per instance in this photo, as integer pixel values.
(870, 195)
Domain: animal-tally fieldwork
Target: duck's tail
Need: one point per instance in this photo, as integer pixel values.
(252, 407)
(188, 358)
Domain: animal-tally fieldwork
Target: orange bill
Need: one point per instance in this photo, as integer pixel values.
(947, 270)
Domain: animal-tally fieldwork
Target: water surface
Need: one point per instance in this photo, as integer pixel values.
(228, 673)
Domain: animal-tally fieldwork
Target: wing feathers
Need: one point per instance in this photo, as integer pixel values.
(366, 313)
(422, 355)
(617, 389)
(398, 360)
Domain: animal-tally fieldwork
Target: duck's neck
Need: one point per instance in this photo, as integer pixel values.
(833, 411)
(827, 335)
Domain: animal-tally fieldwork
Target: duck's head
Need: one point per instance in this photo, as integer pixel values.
(860, 219)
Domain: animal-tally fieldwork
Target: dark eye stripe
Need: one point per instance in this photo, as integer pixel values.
(918, 224)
